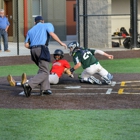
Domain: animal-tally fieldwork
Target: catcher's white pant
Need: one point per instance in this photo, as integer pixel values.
(53, 78)
(95, 68)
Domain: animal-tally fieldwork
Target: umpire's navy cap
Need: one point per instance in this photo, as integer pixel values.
(38, 18)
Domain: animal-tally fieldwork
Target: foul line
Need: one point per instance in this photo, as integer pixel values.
(121, 91)
(122, 83)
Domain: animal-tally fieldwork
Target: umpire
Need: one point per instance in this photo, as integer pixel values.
(37, 41)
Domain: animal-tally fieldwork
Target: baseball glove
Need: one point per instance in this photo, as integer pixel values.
(68, 72)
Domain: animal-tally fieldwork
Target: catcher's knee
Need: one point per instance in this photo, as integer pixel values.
(83, 80)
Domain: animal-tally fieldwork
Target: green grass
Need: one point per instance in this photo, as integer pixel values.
(69, 124)
(122, 65)
(113, 66)
(17, 70)
(29, 124)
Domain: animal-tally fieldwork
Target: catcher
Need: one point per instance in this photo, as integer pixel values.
(59, 66)
(86, 59)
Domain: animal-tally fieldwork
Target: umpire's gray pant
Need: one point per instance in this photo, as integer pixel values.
(42, 78)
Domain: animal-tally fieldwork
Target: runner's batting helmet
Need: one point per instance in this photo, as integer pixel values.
(58, 52)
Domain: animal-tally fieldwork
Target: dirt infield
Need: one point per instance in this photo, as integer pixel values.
(71, 94)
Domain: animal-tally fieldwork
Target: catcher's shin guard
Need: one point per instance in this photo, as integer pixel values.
(94, 80)
(107, 79)
(110, 76)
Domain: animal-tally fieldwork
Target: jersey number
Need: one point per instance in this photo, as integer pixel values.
(86, 55)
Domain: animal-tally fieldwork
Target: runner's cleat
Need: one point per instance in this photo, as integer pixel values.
(23, 78)
(11, 81)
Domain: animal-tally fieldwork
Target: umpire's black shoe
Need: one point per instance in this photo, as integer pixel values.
(46, 92)
(27, 89)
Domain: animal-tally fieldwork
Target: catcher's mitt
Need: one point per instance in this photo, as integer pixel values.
(68, 72)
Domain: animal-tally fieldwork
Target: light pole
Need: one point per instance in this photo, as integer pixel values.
(17, 29)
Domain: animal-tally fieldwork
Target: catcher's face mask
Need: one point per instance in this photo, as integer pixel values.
(70, 51)
(72, 46)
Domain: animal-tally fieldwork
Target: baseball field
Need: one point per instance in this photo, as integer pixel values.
(75, 111)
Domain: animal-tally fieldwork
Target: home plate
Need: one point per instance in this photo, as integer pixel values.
(73, 87)
(23, 94)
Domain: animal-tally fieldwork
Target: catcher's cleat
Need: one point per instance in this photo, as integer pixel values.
(23, 78)
(27, 89)
(106, 83)
(11, 81)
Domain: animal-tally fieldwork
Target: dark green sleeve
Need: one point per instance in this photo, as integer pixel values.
(92, 51)
(76, 58)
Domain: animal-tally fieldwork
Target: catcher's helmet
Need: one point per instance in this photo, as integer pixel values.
(73, 46)
(58, 52)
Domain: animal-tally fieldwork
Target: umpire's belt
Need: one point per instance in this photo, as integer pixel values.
(2, 29)
(36, 46)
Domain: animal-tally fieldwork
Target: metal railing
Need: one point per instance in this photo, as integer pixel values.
(133, 21)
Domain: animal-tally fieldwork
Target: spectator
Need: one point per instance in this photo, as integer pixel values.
(4, 25)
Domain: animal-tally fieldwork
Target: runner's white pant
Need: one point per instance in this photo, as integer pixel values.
(53, 78)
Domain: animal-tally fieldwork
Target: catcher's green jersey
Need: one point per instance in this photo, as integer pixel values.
(85, 56)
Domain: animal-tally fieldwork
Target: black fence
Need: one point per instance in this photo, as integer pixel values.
(133, 22)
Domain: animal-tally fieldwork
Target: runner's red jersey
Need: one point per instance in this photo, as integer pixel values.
(58, 67)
